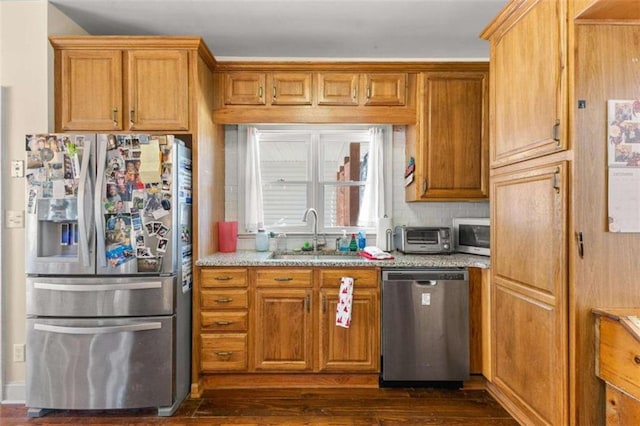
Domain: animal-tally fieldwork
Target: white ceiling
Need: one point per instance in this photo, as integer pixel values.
(302, 29)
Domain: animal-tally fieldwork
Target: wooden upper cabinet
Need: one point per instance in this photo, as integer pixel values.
(291, 88)
(245, 88)
(335, 88)
(90, 90)
(528, 74)
(262, 88)
(451, 143)
(158, 90)
(386, 89)
(113, 90)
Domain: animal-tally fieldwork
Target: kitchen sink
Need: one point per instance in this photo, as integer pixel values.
(318, 257)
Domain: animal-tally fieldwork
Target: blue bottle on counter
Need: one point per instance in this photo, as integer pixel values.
(362, 240)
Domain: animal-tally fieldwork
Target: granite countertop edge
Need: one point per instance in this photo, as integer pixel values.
(253, 258)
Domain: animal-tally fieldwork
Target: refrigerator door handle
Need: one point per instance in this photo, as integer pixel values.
(85, 177)
(98, 330)
(101, 158)
(98, 287)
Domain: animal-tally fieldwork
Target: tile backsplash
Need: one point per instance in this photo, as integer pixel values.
(403, 213)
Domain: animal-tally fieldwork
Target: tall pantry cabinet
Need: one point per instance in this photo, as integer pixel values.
(553, 66)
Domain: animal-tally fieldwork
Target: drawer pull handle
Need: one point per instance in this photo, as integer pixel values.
(283, 278)
(224, 354)
(224, 300)
(224, 278)
(224, 322)
(636, 359)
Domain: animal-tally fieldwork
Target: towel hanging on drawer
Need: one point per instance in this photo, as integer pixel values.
(345, 299)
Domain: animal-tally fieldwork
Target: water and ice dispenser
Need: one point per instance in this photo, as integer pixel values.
(57, 227)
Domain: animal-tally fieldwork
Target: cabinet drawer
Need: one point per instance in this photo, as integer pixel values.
(224, 321)
(223, 277)
(223, 299)
(284, 277)
(619, 357)
(362, 277)
(223, 352)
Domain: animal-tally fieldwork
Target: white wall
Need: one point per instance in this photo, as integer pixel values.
(26, 73)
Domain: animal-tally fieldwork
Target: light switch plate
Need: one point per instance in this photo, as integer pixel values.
(14, 218)
(17, 168)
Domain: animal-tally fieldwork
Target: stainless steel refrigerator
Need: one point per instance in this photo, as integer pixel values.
(108, 228)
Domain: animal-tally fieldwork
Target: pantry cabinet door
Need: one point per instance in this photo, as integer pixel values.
(529, 305)
(528, 69)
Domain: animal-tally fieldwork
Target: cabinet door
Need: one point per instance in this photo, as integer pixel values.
(335, 88)
(158, 90)
(528, 65)
(529, 290)
(453, 145)
(90, 96)
(291, 88)
(244, 88)
(353, 349)
(386, 89)
(283, 330)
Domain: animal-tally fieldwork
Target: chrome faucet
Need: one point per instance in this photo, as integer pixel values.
(315, 225)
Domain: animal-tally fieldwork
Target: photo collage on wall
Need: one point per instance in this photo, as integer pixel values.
(623, 147)
(137, 203)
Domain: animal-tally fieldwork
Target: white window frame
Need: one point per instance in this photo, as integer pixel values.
(316, 190)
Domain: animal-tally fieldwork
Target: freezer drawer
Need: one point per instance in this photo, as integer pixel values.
(100, 296)
(99, 364)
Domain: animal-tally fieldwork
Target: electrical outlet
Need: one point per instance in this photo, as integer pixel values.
(14, 218)
(18, 352)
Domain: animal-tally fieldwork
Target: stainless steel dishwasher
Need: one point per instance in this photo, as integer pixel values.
(425, 327)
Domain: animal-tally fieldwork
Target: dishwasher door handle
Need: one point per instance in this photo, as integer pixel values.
(428, 282)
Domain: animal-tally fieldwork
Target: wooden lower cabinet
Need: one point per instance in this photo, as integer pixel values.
(296, 326)
(221, 318)
(282, 329)
(355, 348)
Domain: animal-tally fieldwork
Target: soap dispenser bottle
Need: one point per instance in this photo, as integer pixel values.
(353, 244)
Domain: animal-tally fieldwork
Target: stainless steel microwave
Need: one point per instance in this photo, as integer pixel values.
(472, 235)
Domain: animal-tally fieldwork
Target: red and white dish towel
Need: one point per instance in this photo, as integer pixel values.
(345, 299)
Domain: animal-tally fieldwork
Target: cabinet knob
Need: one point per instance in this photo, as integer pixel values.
(224, 322)
(224, 300)
(283, 279)
(132, 111)
(114, 117)
(225, 355)
(223, 278)
(636, 359)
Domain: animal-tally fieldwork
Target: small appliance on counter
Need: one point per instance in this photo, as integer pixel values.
(471, 235)
(422, 240)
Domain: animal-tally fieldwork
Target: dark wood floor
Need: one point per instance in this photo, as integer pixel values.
(391, 406)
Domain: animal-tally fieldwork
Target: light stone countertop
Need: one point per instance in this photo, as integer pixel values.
(253, 258)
